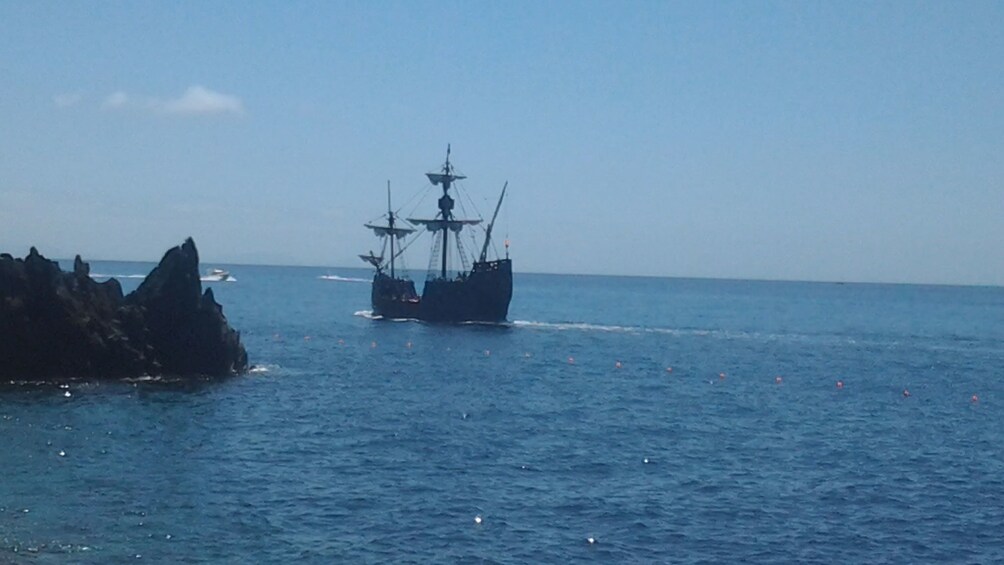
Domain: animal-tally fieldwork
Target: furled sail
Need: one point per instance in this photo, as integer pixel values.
(372, 259)
(384, 231)
(443, 178)
(436, 225)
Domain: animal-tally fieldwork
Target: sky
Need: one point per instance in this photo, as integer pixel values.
(831, 141)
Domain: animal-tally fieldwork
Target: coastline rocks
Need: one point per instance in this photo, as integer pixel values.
(65, 325)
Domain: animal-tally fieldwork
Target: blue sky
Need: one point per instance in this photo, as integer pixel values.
(851, 141)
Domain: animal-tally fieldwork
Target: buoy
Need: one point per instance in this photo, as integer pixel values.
(477, 519)
(840, 384)
(778, 380)
(906, 393)
(618, 365)
(975, 398)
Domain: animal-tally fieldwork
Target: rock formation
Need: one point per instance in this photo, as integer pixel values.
(60, 325)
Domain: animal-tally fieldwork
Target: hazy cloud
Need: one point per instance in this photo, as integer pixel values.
(66, 100)
(196, 100)
(201, 100)
(116, 100)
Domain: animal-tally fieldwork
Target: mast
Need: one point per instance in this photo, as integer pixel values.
(488, 232)
(390, 230)
(446, 206)
(444, 220)
(390, 224)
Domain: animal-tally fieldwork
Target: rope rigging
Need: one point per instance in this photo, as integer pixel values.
(457, 249)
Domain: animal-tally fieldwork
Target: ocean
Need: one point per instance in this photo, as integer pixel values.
(614, 420)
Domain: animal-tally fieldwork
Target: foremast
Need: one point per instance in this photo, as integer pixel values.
(390, 231)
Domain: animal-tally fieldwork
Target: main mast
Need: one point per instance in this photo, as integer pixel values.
(390, 224)
(444, 220)
(446, 207)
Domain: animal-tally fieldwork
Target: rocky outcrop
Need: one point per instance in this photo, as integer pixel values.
(60, 325)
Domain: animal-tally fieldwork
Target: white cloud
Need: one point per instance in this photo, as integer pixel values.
(66, 100)
(196, 100)
(201, 100)
(116, 100)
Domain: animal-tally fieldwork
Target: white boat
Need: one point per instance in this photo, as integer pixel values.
(218, 275)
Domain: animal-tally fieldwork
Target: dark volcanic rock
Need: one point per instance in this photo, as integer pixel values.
(58, 325)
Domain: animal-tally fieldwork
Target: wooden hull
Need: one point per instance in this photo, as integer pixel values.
(483, 295)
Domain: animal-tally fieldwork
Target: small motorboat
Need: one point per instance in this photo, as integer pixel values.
(218, 275)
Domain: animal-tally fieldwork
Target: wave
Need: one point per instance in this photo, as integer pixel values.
(104, 276)
(823, 339)
(138, 276)
(369, 315)
(679, 332)
(149, 379)
(342, 279)
(584, 326)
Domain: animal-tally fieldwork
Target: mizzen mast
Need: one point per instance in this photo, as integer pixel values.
(491, 224)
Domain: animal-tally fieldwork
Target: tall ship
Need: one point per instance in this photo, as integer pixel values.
(458, 288)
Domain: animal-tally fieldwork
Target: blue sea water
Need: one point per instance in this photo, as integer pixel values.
(357, 440)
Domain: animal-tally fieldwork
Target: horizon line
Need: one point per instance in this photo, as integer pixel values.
(678, 277)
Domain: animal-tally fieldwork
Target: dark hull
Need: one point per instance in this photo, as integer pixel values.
(483, 295)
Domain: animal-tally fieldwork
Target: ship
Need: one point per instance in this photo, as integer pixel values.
(475, 290)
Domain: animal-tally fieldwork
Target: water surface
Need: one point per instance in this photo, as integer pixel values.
(369, 441)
